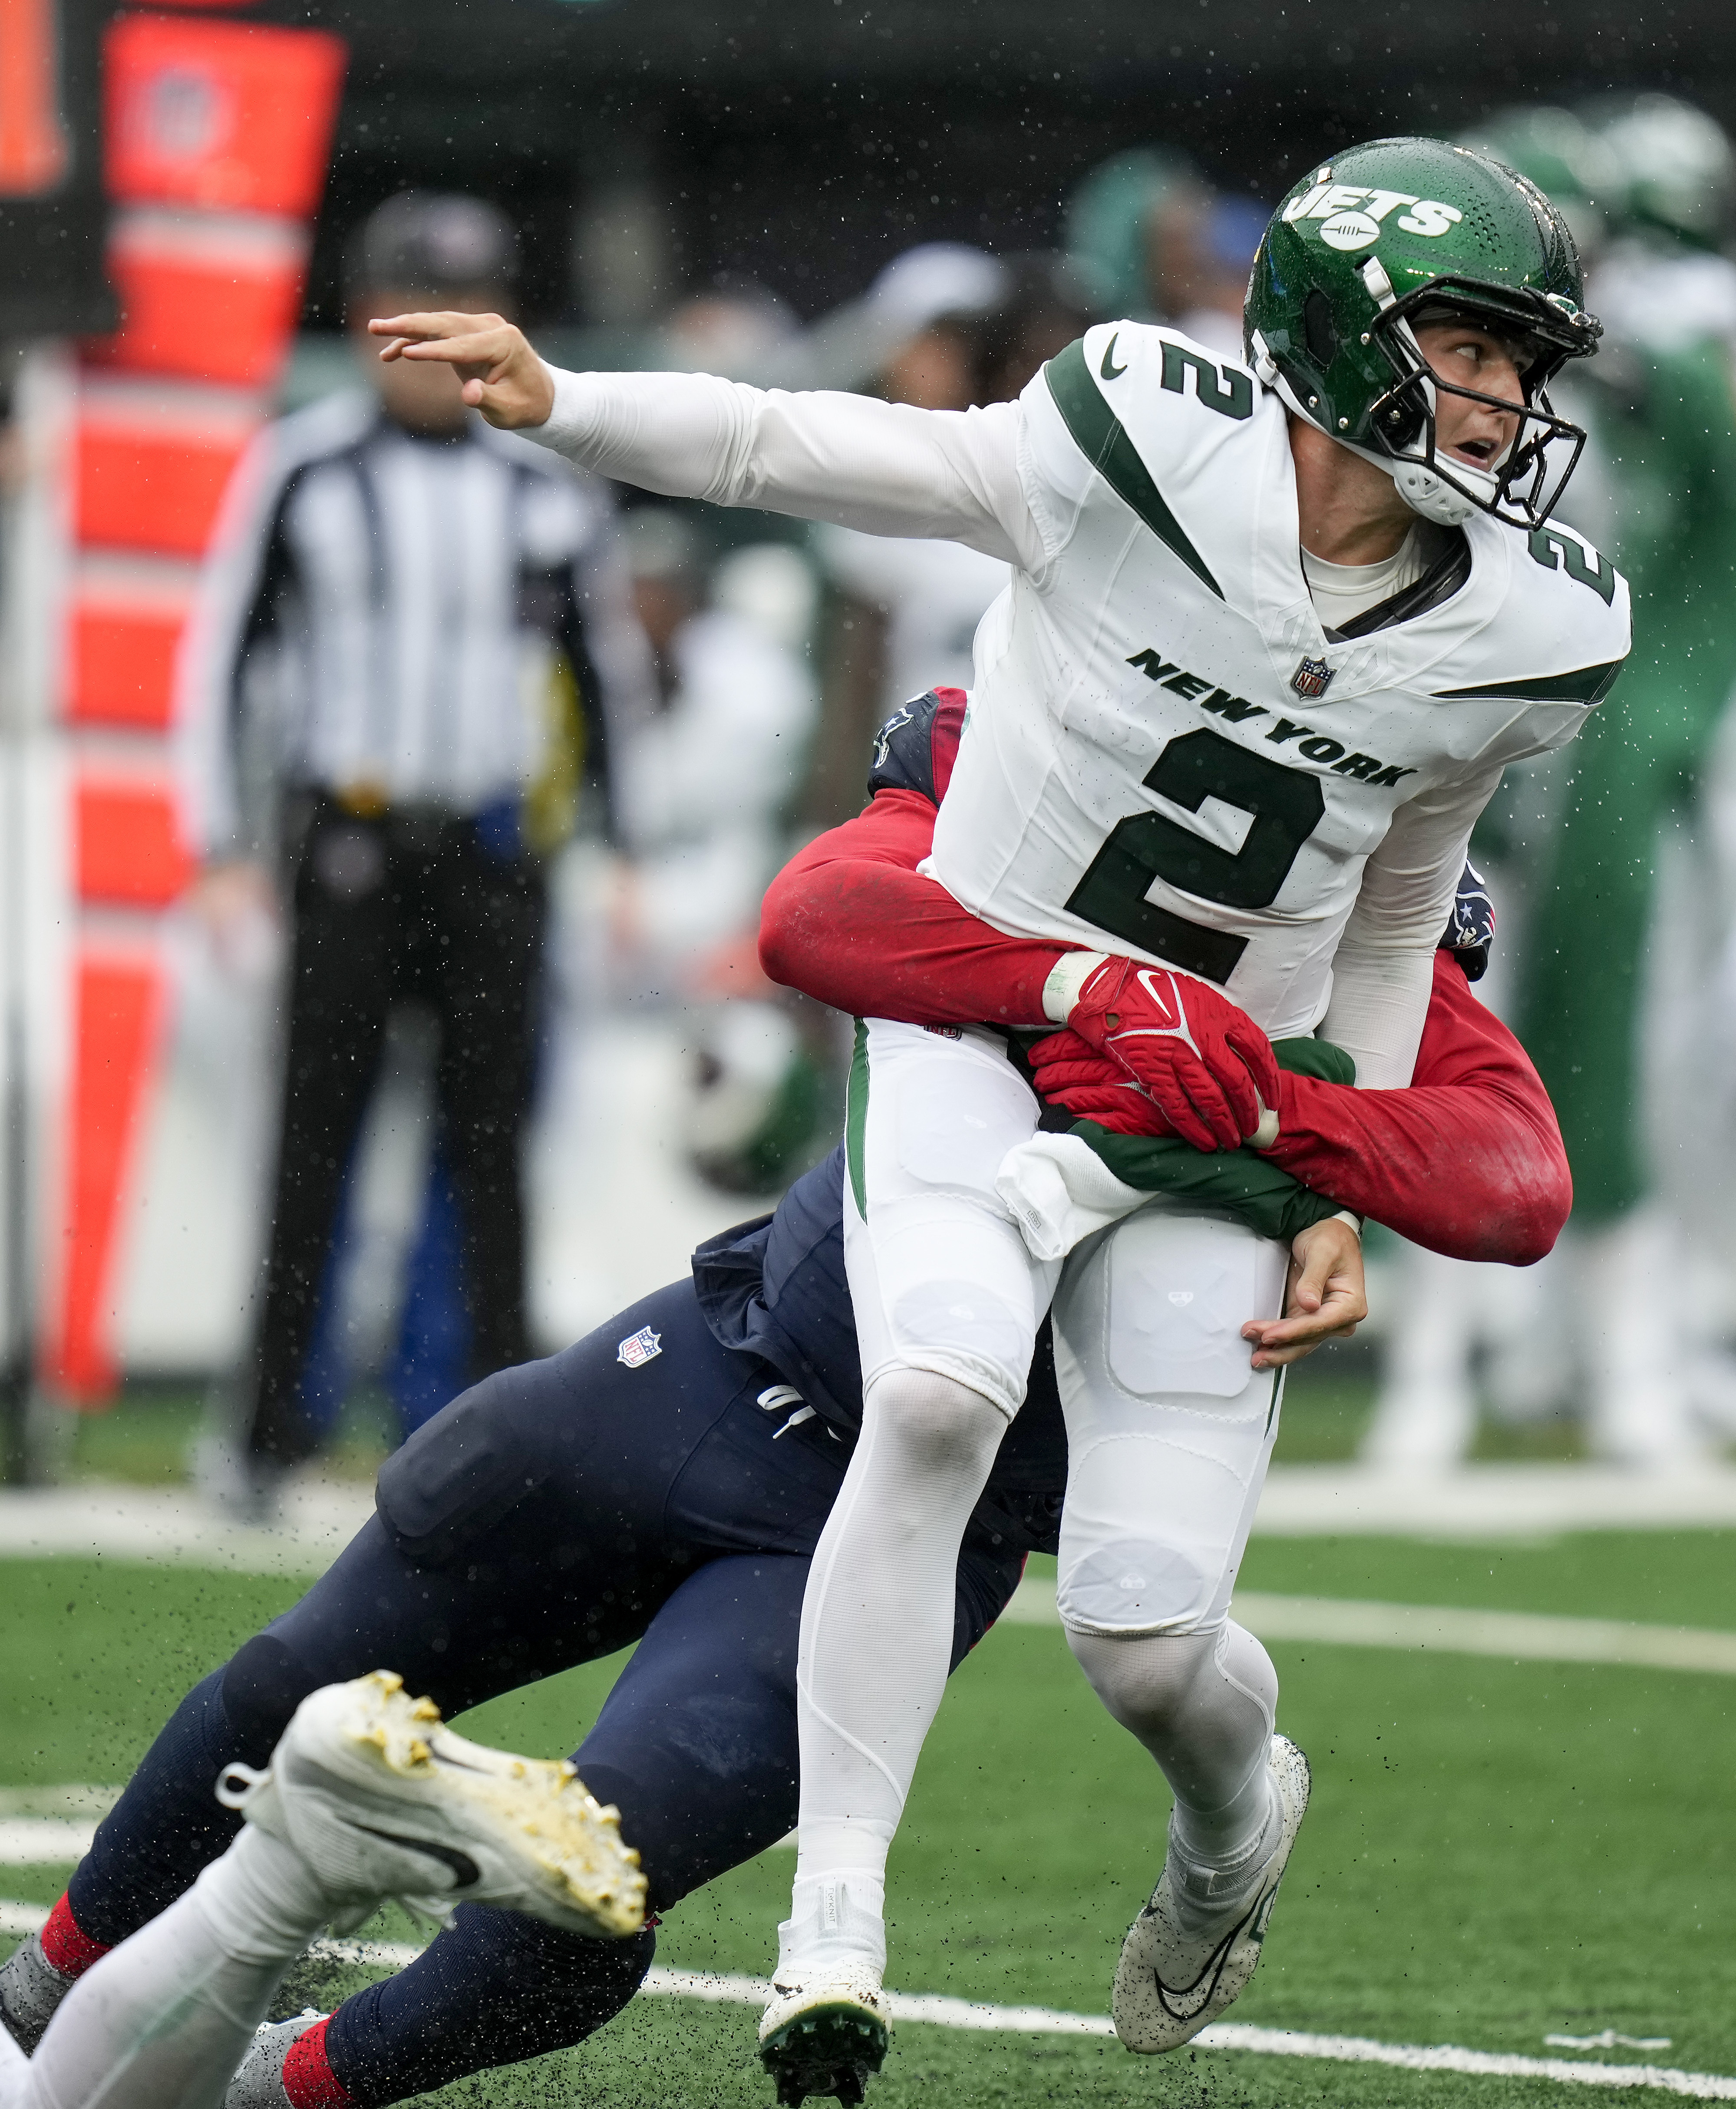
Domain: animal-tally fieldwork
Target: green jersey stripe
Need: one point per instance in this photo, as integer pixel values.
(855, 1119)
(1099, 435)
(1586, 684)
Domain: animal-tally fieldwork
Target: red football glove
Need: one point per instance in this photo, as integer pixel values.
(1206, 1065)
(1066, 1072)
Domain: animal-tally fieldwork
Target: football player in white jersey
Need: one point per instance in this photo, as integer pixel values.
(1272, 634)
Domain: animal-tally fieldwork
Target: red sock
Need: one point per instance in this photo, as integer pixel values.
(307, 2078)
(68, 1948)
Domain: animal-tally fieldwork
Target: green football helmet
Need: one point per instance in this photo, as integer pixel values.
(1407, 231)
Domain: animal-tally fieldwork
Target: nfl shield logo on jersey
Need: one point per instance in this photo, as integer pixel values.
(639, 1348)
(1312, 677)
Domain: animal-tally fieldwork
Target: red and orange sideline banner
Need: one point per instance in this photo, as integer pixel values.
(217, 137)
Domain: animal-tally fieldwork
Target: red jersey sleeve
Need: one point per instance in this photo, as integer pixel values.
(1468, 1160)
(848, 920)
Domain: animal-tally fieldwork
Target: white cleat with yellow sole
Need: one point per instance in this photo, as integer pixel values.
(381, 1800)
(1182, 1963)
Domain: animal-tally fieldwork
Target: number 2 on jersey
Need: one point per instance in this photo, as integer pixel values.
(1284, 806)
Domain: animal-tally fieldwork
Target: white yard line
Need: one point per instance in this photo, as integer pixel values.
(43, 1842)
(40, 1826)
(1509, 1636)
(938, 2011)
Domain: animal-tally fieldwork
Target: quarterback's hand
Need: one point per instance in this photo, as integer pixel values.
(1208, 1066)
(1325, 1297)
(1067, 1071)
(502, 377)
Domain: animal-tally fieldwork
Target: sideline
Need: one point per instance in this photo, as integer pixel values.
(938, 2011)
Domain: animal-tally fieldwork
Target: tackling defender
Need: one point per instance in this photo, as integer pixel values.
(1268, 645)
(678, 1495)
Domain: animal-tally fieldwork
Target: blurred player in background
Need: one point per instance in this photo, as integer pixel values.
(1580, 842)
(415, 639)
(1666, 420)
(707, 788)
(903, 612)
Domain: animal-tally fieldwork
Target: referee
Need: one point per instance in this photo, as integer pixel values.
(414, 642)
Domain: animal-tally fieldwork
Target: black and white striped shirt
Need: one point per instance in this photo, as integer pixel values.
(382, 614)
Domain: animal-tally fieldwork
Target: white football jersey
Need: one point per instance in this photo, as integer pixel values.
(1167, 754)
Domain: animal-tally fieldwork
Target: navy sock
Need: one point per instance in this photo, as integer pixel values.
(168, 1827)
(497, 1986)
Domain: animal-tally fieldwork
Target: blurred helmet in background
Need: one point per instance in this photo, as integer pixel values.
(1046, 303)
(936, 278)
(1564, 158)
(1201, 255)
(729, 328)
(435, 244)
(1674, 170)
(1117, 223)
(919, 318)
(758, 1113)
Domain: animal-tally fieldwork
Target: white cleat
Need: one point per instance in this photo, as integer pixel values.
(381, 1800)
(1180, 1967)
(827, 2035)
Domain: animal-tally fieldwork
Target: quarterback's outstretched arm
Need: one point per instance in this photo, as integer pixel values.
(886, 468)
(1469, 1160)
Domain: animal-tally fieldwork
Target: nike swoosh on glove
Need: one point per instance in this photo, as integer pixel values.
(1067, 1071)
(1208, 1066)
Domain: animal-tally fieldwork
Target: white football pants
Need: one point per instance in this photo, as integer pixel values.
(1169, 1433)
(163, 2020)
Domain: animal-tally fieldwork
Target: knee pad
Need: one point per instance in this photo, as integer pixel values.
(1146, 1680)
(466, 1469)
(264, 1684)
(1177, 1691)
(938, 1423)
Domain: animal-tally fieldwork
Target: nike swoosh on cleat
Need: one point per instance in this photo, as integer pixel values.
(1109, 370)
(1186, 2003)
(465, 1870)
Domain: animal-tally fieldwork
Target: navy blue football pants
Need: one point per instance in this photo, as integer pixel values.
(550, 1516)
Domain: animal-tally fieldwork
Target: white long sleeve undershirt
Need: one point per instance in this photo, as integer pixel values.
(888, 468)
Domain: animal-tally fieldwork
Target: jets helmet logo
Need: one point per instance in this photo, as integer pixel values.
(1312, 677)
(1352, 213)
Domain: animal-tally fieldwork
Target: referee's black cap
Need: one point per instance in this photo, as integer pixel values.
(434, 243)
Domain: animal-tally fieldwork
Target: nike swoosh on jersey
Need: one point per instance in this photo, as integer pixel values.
(1186, 2003)
(1109, 370)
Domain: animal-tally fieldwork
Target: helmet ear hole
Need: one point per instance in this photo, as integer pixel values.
(1318, 328)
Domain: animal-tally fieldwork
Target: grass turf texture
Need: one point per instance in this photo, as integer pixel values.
(1495, 1851)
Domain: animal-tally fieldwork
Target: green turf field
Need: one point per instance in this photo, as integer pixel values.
(1496, 1850)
